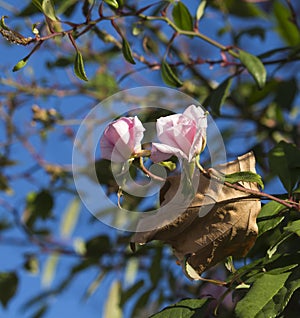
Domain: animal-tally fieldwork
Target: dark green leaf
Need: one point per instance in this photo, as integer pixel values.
(187, 308)
(217, 97)
(127, 51)
(79, 67)
(127, 294)
(49, 10)
(168, 75)
(98, 245)
(284, 160)
(113, 3)
(182, 17)
(20, 64)
(40, 312)
(38, 4)
(268, 210)
(244, 176)
(8, 286)
(285, 27)
(293, 227)
(255, 67)
(31, 264)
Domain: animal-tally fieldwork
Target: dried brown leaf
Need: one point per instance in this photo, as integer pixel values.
(220, 221)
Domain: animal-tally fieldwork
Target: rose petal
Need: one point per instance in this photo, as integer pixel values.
(161, 152)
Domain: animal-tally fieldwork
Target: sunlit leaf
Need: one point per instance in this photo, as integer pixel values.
(127, 51)
(49, 10)
(113, 3)
(187, 308)
(79, 67)
(244, 176)
(271, 209)
(20, 64)
(268, 295)
(254, 66)
(112, 307)
(200, 10)
(293, 227)
(70, 218)
(182, 17)
(50, 269)
(168, 75)
(131, 270)
(8, 286)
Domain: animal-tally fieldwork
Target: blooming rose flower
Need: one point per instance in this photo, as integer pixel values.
(182, 135)
(121, 139)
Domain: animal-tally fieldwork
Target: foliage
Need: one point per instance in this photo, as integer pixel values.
(73, 54)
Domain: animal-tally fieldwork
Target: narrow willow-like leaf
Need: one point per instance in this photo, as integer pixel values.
(168, 76)
(49, 269)
(244, 176)
(79, 67)
(49, 10)
(20, 65)
(127, 51)
(70, 218)
(38, 5)
(182, 17)
(112, 3)
(200, 10)
(112, 307)
(255, 67)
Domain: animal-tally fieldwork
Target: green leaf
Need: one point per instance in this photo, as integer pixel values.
(126, 50)
(182, 17)
(112, 3)
(217, 97)
(168, 164)
(254, 66)
(168, 75)
(187, 308)
(98, 245)
(268, 295)
(70, 218)
(31, 264)
(2, 23)
(20, 64)
(127, 294)
(49, 10)
(79, 67)
(200, 10)
(8, 286)
(38, 5)
(293, 227)
(244, 176)
(94, 285)
(268, 210)
(284, 160)
(285, 27)
(112, 307)
(49, 269)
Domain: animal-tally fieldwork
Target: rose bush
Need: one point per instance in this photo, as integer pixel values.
(182, 135)
(122, 139)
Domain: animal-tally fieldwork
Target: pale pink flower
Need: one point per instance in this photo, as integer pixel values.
(182, 135)
(121, 139)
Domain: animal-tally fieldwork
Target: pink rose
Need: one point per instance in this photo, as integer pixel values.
(121, 139)
(182, 135)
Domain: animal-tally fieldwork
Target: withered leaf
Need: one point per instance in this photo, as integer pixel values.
(219, 222)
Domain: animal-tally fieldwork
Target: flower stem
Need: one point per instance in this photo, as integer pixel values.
(148, 173)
